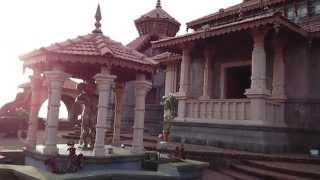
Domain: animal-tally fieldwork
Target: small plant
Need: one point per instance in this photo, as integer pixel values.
(170, 110)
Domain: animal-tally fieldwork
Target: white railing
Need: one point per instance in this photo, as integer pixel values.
(220, 109)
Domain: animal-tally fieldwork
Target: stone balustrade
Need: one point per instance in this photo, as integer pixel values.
(275, 112)
(219, 109)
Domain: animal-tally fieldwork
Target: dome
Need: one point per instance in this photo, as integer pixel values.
(158, 22)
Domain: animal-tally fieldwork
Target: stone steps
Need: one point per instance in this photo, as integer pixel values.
(295, 169)
(210, 174)
(203, 152)
(237, 175)
(255, 165)
(265, 174)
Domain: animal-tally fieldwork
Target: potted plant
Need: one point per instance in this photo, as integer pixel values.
(170, 109)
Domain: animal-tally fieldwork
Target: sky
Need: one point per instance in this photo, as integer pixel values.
(30, 24)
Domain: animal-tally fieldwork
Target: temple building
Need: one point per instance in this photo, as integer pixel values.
(246, 77)
(104, 65)
(152, 26)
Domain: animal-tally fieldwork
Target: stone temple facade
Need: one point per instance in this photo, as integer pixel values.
(246, 77)
(152, 26)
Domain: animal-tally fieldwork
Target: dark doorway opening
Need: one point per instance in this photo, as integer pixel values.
(238, 79)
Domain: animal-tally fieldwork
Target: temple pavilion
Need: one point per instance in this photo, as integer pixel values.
(246, 77)
(90, 57)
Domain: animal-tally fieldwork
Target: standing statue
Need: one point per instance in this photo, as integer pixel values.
(89, 100)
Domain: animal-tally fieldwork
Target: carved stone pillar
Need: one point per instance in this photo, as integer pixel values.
(185, 71)
(278, 83)
(169, 81)
(55, 79)
(104, 80)
(259, 61)
(258, 91)
(119, 90)
(207, 73)
(184, 81)
(142, 86)
(36, 81)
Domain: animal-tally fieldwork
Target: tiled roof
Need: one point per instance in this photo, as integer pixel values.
(140, 42)
(244, 6)
(166, 57)
(261, 20)
(94, 44)
(157, 13)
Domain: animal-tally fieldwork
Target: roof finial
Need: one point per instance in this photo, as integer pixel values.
(158, 4)
(98, 19)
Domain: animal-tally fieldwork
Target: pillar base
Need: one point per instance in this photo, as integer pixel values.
(258, 104)
(99, 151)
(51, 150)
(136, 149)
(30, 146)
(259, 93)
(280, 97)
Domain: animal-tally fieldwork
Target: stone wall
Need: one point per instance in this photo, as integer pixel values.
(303, 114)
(248, 138)
(315, 70)
(297, 69)
(302, 87)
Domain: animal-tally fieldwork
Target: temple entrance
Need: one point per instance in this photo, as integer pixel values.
(238, 79)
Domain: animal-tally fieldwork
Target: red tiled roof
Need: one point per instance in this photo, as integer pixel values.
(261, 20)
(245, 6)
(166, 57)
(157, 13)
(94, 44)
(140, 42)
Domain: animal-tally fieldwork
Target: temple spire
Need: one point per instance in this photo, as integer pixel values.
(98, 19)
(158, 4)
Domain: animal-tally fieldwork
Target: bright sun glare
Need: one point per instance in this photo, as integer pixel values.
(63, 112)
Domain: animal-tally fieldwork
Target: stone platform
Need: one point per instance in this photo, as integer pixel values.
(260, 139)
(120, 159)
(121, 165)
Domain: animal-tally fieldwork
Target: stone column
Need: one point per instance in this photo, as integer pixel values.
(184, 81)
(169, 79)
(207, 72)
(185, 71)
(55, 79)
(278, 83)
(258, 91)
(36, 81)
(119, 90)
(142, 86)
(104, 80)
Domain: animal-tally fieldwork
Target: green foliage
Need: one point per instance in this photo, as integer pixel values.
(170, 109)
(169, 103)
